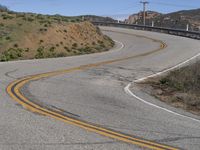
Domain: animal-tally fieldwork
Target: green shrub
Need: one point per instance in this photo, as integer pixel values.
(20, 15)
(8, 38)
(57, 45)
(41, 41)
(19, 24)
(43, 29)
(67, 49)
(100, 42)
(75, 45)
(52, 49)
(61, 54)
(5, 17)
(40, 53)
(102, 45)
(164, 81)
(27, 50)
(15, 45)
(11, 54)
(30, 19)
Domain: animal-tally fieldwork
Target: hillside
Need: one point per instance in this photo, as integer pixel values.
(178, 20)
(29, 36)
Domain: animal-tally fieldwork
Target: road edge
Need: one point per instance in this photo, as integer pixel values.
(129, 92)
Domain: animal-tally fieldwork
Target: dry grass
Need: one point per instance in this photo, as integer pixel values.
(179, 88)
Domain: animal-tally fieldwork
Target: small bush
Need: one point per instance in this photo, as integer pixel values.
(67, 49)
(19, 24)
(40, 53)
(40, 17)
(164, 81)
(102, 45)
(5, 17)
(30, 19)
(52, 49)
(27, 50)
(61, 54)
(75, 45)
(100, 42)
(20, 15)
(15, 45)
(41, 41)
(8, 38)
(57, 45)
(11, 54)
(43, 29)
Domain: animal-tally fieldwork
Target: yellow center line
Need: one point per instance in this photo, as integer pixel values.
(14, 91)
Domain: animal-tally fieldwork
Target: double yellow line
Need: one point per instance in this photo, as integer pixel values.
(14, 88)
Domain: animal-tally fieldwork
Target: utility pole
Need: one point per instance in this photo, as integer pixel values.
(144, 11)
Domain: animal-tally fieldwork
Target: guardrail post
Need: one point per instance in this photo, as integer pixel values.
(187, 27)
(152, 24)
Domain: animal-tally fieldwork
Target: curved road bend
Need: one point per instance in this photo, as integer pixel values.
(95, 94)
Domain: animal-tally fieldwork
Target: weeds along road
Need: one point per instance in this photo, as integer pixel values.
(79, 102)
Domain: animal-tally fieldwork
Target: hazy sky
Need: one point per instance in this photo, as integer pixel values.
(115, 8)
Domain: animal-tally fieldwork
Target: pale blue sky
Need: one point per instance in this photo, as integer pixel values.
(115, 8)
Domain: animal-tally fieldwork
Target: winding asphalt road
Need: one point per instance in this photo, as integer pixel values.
(80, 103)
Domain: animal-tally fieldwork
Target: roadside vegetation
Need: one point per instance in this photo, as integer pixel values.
(180, 88)
(34, 36)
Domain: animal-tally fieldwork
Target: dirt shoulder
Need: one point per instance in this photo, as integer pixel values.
(179, 88)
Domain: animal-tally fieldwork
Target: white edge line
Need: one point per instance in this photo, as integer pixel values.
(122, 45)
(128, 91)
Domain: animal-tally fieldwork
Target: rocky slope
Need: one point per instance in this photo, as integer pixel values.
(178, 20)
(138, 18)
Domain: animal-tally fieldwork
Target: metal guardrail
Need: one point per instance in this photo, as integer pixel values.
(184, 33)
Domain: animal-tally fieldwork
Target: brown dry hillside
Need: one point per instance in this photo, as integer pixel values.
(28, 36)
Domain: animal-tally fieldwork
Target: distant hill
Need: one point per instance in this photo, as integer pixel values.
(29, 36)
(178, 20)
(98, 18)
(3, 8)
